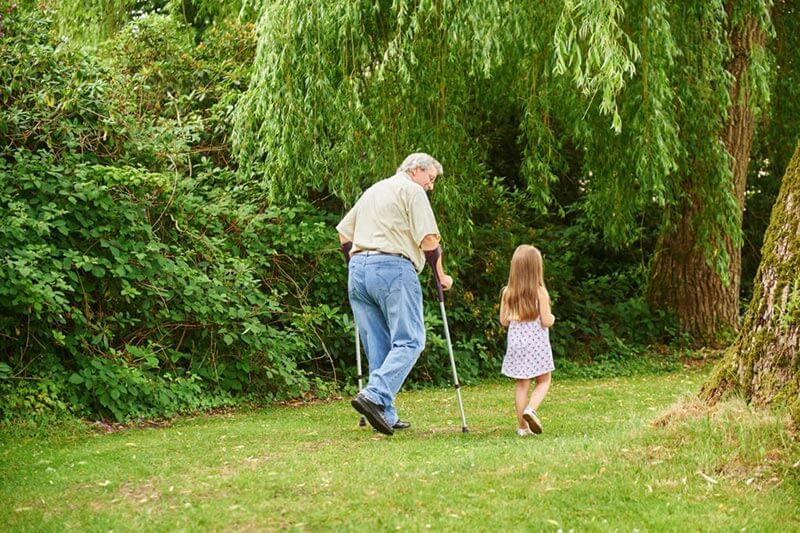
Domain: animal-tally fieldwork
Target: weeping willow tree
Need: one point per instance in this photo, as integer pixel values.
(658, 96)
(696, 271)
(343, 90)
(688, 119)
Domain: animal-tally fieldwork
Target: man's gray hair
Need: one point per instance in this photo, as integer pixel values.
(420, 160)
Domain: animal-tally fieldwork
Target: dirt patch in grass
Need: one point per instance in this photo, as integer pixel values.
(103, 426)
(761, 475)
(744, 431)
(252, 463)
(687, 409)
(139, 492)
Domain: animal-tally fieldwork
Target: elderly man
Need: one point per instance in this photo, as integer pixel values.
(387, 234)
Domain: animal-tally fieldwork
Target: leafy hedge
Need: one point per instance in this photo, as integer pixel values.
(122, 273)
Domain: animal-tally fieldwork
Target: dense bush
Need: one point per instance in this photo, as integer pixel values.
(101, 259)
(174, 97)
(181, 276)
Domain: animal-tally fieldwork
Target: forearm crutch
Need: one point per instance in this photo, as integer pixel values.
(346, 251)
(432, 257)
(361, 421)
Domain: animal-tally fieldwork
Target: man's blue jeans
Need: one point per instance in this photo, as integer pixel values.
(386, 298)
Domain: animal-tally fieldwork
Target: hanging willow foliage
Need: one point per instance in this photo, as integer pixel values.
(90, 21)
(630, 170)
(343, 90)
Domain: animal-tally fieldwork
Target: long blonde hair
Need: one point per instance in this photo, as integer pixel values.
(520, 299)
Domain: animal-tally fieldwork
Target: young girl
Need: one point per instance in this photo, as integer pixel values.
(525, 310)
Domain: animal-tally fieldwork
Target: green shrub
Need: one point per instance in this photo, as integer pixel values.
(103, 253)
(112, 387)
(39, 401)
(101, 261)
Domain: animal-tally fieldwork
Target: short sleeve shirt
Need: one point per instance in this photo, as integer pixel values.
(392, 216)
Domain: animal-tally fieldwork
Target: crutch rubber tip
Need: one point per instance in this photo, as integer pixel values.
(362, 422)
(464, 430)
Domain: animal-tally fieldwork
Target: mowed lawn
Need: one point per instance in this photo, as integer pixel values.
(617, 454)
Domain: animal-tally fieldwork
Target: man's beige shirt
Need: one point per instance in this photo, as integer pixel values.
(392, 216)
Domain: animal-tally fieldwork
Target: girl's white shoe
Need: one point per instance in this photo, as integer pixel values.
(533, 421)
(522, 432)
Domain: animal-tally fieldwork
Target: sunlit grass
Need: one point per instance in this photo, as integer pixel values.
(621, 453)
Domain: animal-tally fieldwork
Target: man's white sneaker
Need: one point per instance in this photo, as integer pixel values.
(533, 421)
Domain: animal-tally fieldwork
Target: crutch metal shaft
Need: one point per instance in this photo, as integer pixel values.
(432, 258)
(346, 246)
(361, 421)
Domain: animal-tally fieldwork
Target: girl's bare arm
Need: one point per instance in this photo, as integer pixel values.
(546, 316)
(503, 311)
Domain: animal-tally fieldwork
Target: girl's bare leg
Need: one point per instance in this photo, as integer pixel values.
(523, 385)
(539, 391)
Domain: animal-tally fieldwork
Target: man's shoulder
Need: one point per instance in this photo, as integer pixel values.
(399, 184)
(394, 181)
(402, 182)
(397, 188)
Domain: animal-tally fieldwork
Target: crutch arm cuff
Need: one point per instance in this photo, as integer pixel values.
(432, 257)
(346, 247)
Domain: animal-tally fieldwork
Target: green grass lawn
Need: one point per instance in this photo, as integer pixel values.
(615, 454)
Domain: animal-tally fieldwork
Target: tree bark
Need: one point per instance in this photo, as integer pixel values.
(680, 278)
(683, 282)
(763, 364)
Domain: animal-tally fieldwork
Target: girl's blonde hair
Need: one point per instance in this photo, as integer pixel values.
(521, 296)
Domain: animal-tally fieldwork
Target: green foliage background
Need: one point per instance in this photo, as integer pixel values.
(171, 173)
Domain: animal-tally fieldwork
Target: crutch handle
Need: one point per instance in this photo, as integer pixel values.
(432, 258)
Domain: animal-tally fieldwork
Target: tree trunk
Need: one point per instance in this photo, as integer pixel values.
(763, 363)
(681, 280)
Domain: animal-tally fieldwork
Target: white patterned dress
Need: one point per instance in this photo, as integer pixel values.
(528, 353)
